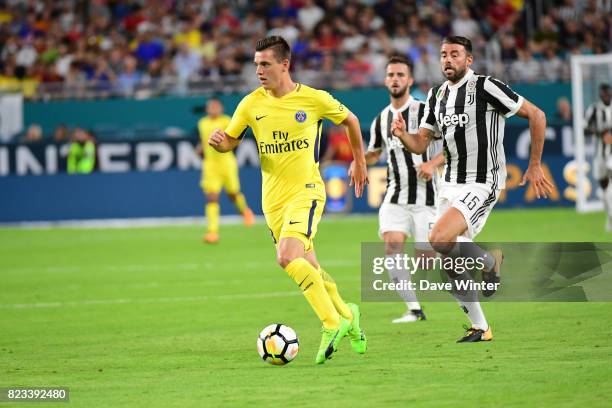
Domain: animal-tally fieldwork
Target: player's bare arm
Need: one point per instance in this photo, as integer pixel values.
(372, 157)
(414, 143)
(537, 127)
(199, 150)
(358, 171)
(426, 170)
(222, 142)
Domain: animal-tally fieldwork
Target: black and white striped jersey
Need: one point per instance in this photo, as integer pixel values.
(470, 116)
(598, 119)
(403, 185)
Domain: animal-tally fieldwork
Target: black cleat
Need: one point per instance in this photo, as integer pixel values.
(473, 335)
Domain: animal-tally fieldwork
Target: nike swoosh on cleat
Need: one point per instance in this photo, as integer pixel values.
(260, 117)
(330, 349)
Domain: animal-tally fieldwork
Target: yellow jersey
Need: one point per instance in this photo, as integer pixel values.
(288, 135)
(206, 126)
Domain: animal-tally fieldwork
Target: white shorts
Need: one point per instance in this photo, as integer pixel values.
(413, 220)
(475, 201)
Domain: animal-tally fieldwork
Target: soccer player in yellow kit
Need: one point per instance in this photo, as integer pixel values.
(286, 118)
(218, 171)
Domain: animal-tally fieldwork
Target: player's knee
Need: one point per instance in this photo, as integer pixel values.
(441, 241)
(284, 258)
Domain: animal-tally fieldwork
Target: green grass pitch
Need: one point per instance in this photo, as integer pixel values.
(152, 317)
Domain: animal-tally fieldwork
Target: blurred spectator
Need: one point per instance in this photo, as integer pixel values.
(427, 69)
(149, 48)
(421, 46)
(500, 14)
(464, 25)
(283, 27)
(186, 62)
(226, 21)
(61, 134)
(552, 66)
(338, 147)
(327, 40)
(401, 40)
(130, 77)
(309, 15)
(283, 9)
(358, 69)
(526, 68)
(34, 134)
(82, 154)
(564, 110)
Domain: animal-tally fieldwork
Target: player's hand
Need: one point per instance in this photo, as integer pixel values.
(358, 173)
(216, 137)
(199, 150)
(425, 170)
(398, 126)
(607, 137)
(541, 185)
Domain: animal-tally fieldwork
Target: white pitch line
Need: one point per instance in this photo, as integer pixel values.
(47, 305)
(156, 222)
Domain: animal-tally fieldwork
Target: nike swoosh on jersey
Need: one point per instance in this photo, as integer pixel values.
(294, 222)
(260, 117)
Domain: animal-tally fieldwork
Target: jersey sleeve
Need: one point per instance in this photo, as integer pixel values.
(330, 108)
(375, 144)
(501, 97)
(434, 148)
(428, 121)
(239, 123)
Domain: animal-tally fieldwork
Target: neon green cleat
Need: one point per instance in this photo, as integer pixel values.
(330, 338)
(356, 335)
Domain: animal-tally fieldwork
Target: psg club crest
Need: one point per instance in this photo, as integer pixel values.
(300, 116)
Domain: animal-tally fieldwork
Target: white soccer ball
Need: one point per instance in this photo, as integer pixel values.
(277, 344)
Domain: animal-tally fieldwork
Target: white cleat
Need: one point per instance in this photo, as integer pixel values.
(411, 316)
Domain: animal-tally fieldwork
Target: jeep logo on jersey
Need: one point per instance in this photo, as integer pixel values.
(300, 116)
(459, 120)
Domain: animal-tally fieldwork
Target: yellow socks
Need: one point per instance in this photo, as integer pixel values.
(332, 291)
(240, 203)
(313, 288)
(212, 216)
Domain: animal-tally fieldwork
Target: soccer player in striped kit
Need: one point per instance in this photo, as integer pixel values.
(408, 208)
(469, 111)
(598, 120)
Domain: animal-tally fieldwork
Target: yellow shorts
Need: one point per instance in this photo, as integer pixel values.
(298, 219)
(217, 177)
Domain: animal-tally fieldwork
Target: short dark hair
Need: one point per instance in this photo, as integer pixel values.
(400, 59)
(604, 87)
(457, 39)
(277, 44)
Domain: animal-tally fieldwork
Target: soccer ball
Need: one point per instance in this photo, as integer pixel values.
(277, 344)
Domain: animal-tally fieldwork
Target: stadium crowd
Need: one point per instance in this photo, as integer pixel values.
(143, 47)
